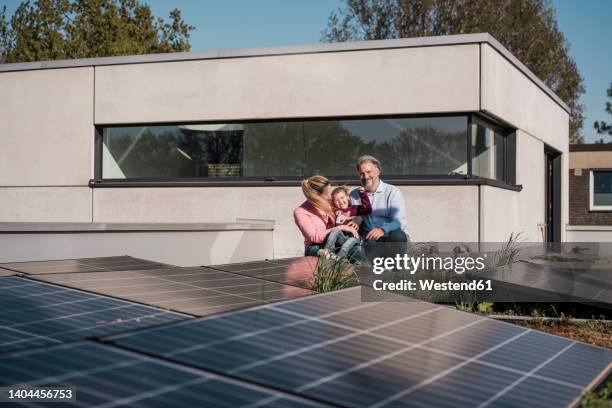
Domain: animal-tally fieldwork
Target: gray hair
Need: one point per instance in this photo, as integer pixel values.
(368, 159)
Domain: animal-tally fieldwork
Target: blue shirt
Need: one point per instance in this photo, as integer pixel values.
(388, 209)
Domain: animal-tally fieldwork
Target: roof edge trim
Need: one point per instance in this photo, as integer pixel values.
(292, 50)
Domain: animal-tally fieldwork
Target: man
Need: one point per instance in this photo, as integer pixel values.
(387, 221)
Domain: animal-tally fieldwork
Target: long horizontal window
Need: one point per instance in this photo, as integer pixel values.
(424, 146)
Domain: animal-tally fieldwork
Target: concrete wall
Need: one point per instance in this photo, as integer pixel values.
(504, 211)
(590, 160)
(589, 233)
(46, 128)
(435, 213)
(395, 81)
(188, 248)
(508, 94)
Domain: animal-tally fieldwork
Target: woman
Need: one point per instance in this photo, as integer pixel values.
(315, 217)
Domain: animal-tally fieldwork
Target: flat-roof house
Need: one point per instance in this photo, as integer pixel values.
(179, 157)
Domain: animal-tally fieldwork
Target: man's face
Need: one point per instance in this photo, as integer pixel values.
(369, 175)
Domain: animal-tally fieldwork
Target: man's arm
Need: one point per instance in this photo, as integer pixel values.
(397, 209)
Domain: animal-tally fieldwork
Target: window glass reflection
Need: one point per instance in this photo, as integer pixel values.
(406, 147)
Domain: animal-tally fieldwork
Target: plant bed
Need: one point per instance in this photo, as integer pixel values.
(558, 310)
(600, 398)
(597, 332)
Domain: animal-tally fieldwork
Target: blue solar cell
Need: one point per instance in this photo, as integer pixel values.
(323, 349)
(36, 314)
(102, 375)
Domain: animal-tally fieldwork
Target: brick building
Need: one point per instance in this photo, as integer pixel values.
(590, 193)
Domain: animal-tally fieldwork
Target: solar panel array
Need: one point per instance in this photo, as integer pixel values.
(112, 263)
(35, 314)
(105, 376)
(290, 271)
(330, 349)
(337, 349)
(198, 291)
(586, 283)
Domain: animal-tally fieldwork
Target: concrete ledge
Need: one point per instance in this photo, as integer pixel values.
(588, 227)
(181, 248)
(25, 227)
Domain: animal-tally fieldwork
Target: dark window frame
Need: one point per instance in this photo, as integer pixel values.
(469, 179)
(506, 133)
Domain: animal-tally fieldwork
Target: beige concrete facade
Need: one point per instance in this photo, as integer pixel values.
(377, 82)
(47, 133)
(505, 212)
(46, 127)
(508, 94)
(45, 204)
(187, 248)
(590, 160)
(435, 213)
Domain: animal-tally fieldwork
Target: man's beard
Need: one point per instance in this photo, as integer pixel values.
(370, 184)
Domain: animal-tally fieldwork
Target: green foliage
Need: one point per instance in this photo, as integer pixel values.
(527, 28)
(507, 254)
(333, 274)
(485, 307)
(602, 127)
(599, 399)
(4, 34)
(65, 29)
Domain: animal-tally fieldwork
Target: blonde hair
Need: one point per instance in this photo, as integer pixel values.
(313, 188)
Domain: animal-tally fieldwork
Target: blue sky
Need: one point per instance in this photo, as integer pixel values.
(247, 23)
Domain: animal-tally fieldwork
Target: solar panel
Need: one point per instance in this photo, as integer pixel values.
(290, 271)
(336, 348)
(111, 263)
(197, 291)
(35, 314)
(584, 284)
(104, 376)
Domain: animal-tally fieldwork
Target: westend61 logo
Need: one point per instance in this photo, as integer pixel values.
(413, 264)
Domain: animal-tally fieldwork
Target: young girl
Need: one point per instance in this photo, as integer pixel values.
(345, 213)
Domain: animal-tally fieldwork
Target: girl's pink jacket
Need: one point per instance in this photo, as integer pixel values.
(311, 223)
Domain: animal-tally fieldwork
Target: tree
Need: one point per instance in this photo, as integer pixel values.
(64, 29)
(4, 34)
(527, 28)
(602, 127)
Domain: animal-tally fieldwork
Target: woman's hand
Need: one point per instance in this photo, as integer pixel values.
(355, 222)
(349, 229)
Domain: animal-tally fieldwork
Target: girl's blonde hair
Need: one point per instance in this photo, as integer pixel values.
(313, 188)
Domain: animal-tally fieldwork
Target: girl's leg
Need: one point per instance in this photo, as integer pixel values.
(312, 250)
(335, 237)
(347, 246)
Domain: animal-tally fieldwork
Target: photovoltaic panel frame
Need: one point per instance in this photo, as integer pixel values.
(197, 291)
(105, 376)
(34, 314)
(296, 271)
(101, 264)
(336, 348)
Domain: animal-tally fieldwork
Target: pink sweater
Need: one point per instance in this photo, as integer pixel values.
(311, 223)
